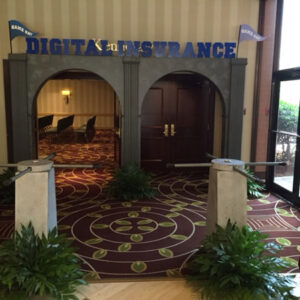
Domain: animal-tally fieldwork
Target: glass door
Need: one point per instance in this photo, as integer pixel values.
(285, 140)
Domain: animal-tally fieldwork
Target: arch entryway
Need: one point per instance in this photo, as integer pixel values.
(180, 116)
(93, 106)
(131, 78)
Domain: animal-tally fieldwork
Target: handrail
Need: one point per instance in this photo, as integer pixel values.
(287, 133)
(189, 165)
(8, 165)
(244, 173)
(266, 163)
(211, 156)
(14, 178)
(50, 156)
(71, 166)
(238, 169)
(29, 169)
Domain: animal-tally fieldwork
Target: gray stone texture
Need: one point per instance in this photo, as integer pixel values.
(130, 77)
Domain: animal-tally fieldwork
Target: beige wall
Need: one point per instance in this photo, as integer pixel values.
(177, 20)
(88, 98)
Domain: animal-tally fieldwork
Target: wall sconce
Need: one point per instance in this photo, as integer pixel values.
(67, 94)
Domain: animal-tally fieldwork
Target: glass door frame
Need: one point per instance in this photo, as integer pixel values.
(278, 77)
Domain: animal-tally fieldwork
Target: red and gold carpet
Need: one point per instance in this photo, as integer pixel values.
(145, 238)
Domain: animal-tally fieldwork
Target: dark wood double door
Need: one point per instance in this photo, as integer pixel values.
(177, 121)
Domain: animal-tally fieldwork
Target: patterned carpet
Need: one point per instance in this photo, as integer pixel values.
(143, 238)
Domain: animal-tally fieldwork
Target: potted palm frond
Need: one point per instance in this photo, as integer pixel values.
(130, 183)
(254, 189)
(7, 192)
(32, 266)
(235, 263)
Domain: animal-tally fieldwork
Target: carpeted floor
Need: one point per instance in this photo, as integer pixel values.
(143, 238)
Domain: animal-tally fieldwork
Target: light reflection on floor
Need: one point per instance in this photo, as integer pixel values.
(285, 181)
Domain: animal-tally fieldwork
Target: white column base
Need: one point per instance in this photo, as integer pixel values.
(227, 195)
(35, 197)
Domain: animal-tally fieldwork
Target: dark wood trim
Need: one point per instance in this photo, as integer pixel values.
(257, 86)
(274, 98)
(272, 135)
(296, 182)
(278, 34)
(8, 110)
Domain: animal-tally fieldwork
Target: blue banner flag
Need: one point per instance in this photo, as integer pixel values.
(248, 33)
(18, 29)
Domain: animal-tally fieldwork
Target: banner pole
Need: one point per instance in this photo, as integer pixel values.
(10, 38)
(10, 47)
(238, 45)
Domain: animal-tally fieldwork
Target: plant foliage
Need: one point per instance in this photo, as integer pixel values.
(33, 265)
(130, 182)
(287, 121)
(7, 193)
(253, 187)
(287, 116)
(234, 263)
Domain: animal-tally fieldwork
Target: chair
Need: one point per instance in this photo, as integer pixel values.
(44, 123)
(62, 126)
(87, 131)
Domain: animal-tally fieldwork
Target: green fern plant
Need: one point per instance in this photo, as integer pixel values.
(130, 182)
(235, 264)
(253, 187)
(33, 265)
(7, 193)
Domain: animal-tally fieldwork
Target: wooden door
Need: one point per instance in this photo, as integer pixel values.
(192, 123)
(154, 139)
(177, 121)
(117, 131)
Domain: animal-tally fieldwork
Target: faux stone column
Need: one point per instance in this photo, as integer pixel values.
(235, 109)
(130, 141)
(35, 196)
(227, 194)
(18, 109)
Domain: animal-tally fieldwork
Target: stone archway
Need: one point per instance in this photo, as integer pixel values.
(228, 75)
(131, 78)
(28, 74)
(178, 121)
(91, 101)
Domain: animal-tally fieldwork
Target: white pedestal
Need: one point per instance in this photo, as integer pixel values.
(35, 196)
(227, 194)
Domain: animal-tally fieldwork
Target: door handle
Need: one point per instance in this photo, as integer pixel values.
(173, 129)
(166, 130)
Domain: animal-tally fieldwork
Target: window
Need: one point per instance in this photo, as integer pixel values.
(290, 39)
(284, 144)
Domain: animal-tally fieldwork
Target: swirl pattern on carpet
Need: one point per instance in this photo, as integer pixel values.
(151, 237)
(144, 238)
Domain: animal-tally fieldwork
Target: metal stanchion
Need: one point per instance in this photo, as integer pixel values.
(266, 163)
(50, 156)
(210, 156)
(35, 199)
(72, 166)
(29, 169)
(244, 173)
(14, 178)
(227, 194)
(189, 165)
